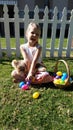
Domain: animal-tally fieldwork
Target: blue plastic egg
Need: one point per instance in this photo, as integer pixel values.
(21, 84)
(64, 76)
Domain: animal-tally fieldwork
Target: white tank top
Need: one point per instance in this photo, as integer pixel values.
(31, 52)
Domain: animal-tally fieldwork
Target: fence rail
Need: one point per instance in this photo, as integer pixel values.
(53, 48)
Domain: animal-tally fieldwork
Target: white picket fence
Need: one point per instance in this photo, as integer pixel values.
(49, 49)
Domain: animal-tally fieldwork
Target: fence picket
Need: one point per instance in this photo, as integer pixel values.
(26, 20)
(62, 32)
(7, 32)
(17, 31)
(70, 35)
(54, 26)
(45, 27)
(0, 50)
(36, 16)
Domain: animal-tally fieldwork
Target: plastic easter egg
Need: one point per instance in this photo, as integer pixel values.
(25, 87)
(64, 73)
(54, 78)
(54, 74)
(21, 84)
(59, 73)
(36, 95)
(57, 81)
(64, 77)
(62, 82)
(28, 82)
(57, 77)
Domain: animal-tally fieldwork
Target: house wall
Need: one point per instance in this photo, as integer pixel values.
(60, 4)
(40, 3)
(70, 4)
(32, 4)
(22, 3)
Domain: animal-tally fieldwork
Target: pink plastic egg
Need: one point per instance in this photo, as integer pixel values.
(25, 87)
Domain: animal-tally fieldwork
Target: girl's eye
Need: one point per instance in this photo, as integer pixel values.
(35, 33)
(32, 32)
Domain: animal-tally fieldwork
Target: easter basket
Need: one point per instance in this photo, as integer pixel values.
(67, 82)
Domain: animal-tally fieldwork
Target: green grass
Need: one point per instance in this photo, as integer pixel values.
(19, 111)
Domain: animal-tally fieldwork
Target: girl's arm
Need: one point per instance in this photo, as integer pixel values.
(23, 52)
(34, 61)
(25, 56)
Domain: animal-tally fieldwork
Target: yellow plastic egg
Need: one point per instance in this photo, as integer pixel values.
(57, 81)
(59, 73)
(36, 95)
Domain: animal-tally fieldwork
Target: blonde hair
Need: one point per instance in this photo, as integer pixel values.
(33, 24)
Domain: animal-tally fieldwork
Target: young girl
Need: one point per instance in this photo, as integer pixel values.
(31, 52)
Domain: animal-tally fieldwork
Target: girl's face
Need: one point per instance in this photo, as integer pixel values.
(33, 35)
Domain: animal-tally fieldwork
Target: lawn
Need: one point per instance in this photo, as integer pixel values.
(53, 110)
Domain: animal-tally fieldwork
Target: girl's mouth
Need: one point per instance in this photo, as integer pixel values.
(33, 39)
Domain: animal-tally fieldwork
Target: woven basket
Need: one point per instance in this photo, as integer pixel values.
(67, 84)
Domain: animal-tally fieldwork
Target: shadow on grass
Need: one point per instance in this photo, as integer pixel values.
(52, 86)
(46, 85)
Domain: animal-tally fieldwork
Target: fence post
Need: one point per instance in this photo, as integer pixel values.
(7, 32)
(26, 20)
(17, 30)
(62, 31)
(36, 17)
(54, 26)
(45, 28)
(0, 50)
(70, 35)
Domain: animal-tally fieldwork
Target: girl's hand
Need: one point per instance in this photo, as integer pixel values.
(29, 76)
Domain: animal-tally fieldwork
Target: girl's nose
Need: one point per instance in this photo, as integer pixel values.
(34, 34)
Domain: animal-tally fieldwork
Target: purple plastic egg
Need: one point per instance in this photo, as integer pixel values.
(57, 77)
(28, 82)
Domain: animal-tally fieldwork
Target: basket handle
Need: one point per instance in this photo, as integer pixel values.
(67, 67)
